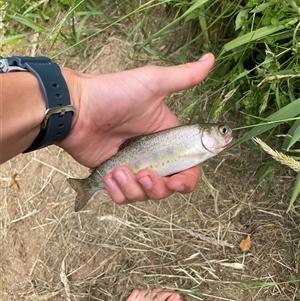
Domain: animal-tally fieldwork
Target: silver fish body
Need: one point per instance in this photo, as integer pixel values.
(165, 152)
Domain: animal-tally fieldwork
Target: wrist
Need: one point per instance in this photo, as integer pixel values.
(28, 97)
(59, 112)
(73, 82)
(79, 86)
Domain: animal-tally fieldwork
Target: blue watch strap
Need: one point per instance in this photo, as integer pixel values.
(59, 111)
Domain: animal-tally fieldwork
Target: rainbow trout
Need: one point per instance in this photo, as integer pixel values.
(165, 152)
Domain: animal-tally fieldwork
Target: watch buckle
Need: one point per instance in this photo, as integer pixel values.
(5, 68)
(61, 110)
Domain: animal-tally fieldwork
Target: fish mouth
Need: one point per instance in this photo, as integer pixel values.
(227, 142)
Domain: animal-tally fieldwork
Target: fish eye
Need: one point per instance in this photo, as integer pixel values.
(223, 129)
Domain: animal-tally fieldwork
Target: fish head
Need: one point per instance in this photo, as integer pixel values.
(216, 137)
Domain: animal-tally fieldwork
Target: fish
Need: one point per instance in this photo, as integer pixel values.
(165, 152)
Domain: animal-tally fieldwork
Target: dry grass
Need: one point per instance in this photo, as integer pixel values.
(188, 243)
(278, 156)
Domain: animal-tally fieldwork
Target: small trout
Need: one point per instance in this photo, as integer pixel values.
(165, 152)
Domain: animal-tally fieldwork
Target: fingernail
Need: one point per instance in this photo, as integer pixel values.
(110, 183)
(146, 182)
(205, 57)
(120, 177)
(181, 188)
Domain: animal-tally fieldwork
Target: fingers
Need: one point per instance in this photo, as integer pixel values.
(155, 187)
(123, 187)
(185, 181)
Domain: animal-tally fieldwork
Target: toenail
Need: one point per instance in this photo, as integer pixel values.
(177, 298)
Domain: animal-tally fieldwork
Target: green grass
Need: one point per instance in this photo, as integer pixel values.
(256, 44)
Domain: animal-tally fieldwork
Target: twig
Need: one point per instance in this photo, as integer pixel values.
(25, 216)
(211, 240)
(64, 278)
(54, 168)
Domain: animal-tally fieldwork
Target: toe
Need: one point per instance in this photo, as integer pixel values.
(165, 295)
(157, 294)
(134, 295)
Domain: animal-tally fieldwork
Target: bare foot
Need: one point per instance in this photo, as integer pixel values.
(158, 294)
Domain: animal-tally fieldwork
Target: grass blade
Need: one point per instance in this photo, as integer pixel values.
(290, 134)
(289, 111)
(15, 38)
(296, 192)
(258, 34)
(189, 11)
(295, 138)
(29, 23)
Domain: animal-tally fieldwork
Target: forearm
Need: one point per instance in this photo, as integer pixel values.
(21, 112)
(22, 109)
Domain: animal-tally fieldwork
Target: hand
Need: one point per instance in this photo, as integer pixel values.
(114, 107)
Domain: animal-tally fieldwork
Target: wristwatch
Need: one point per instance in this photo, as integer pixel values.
(59, 111)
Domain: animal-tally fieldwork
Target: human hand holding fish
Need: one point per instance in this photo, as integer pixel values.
(165, 152)
(114, 107)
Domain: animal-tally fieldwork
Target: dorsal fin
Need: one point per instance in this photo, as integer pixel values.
(129, 141)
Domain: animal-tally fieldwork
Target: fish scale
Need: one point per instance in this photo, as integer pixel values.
(165, 152)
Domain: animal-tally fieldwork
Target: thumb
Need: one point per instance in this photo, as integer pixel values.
(182, 77)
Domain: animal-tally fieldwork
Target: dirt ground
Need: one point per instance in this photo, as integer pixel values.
(189, 243)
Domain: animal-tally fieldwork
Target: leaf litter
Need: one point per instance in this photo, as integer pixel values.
(15, 184)
(245, 244)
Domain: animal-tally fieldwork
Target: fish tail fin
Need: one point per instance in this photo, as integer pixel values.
(84, 192)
